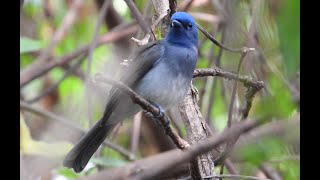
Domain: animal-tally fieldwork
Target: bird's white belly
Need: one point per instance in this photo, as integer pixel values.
(164, 88)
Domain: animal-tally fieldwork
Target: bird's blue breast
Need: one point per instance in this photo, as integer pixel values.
(169, 79)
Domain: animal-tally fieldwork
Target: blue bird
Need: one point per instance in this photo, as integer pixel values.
(160, 72)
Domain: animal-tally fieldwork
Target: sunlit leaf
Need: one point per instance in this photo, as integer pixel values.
(29, 45)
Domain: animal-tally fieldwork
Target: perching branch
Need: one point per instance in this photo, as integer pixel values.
(146, 105)
(247, 81)
(197, 130)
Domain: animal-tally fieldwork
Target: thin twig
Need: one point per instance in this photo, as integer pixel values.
(215, 81)
(153, 166)
(135, 134)
(270, 172)
(233, 176)
(253, 88)
(221, 171)
(93, 44)
(233, 95)
(56, 85)
(230, 166)
(144, 104)
(135, 12)
(247, 81)
(209, 36)
(187, 6)
(66, 122)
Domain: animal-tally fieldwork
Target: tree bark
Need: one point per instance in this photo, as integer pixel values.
(197, 130)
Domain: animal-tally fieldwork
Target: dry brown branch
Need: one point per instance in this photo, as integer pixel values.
(253, 88)
(270, 172)
(153, 167)
(135, 12)
(135, 133)
(211, 38)
(233, 94)
(196, 128)
(247, 81)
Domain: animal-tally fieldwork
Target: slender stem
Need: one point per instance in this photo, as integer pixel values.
(135, 12)
(93, 45)
(209, 36)
(233, 95)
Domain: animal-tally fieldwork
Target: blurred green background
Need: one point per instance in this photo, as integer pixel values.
(270, 26)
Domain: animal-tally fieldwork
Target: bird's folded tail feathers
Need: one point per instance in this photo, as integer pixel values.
(81, 153)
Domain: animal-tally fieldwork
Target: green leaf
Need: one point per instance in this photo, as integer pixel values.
(279, 104)
(29, 45)
(261, 151)
(288, 21)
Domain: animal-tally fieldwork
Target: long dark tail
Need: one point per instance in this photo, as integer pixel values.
(81, 153)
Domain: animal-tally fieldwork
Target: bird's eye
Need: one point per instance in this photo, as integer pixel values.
(189, 25)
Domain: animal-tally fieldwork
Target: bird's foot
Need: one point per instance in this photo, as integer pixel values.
(160, 115)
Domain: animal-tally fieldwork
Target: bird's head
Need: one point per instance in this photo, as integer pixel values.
(183, 30)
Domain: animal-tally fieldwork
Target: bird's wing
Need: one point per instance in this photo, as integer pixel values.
(143, 60)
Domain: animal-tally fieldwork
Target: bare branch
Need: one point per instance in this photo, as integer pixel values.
(135, 12)
(247, 82)
(154, 166)
(233, 94)
(197, 130)
(135, 134)
(270, 172)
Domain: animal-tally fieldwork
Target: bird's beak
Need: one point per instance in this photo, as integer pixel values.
(175, 23)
